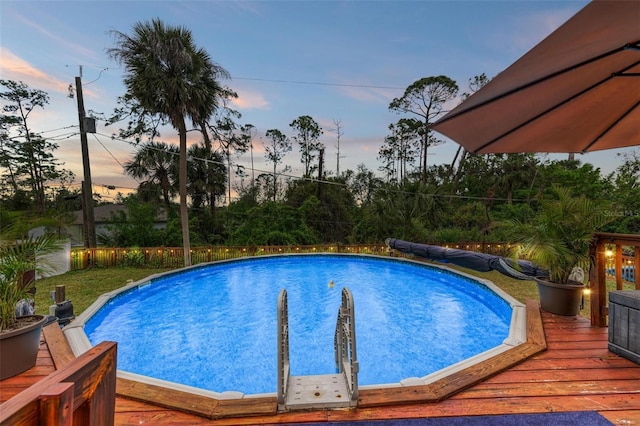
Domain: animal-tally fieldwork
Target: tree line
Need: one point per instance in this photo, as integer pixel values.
(209, 199)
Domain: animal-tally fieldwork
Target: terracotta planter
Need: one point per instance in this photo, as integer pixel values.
(560, 299)
(19, 348)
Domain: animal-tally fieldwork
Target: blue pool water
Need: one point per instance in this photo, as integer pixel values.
(214, 327)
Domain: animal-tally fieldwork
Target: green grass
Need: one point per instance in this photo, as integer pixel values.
(84, 287)
(521, 290)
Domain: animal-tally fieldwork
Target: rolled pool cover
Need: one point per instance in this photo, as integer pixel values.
(481, 262)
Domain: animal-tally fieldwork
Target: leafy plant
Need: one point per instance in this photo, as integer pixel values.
(17, 258)
(134, 257)
(558, 236)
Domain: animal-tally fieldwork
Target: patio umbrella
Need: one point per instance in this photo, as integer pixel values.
(576, 91)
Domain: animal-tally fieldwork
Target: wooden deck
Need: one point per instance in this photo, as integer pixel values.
(575, 373)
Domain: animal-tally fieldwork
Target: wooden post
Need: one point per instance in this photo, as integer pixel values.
(93, 391)
(618, 267)
(60, 294)
(56, 405)
(598, 283)
(636, 265)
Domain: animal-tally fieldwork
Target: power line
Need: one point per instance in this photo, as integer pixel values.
(270, 80)
(106, 149)
(315, 83)
(60, 128)
(63, 136)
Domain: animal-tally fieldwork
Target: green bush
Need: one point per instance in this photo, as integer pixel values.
(134, 257)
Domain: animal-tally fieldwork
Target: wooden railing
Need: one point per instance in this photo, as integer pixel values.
(607, 254)
(171, 257)
(82, 392)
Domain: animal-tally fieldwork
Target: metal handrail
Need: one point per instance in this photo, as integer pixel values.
(283, 348)
(345, 344)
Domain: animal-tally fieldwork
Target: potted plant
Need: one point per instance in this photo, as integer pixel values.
(557, 239)
(20, 334)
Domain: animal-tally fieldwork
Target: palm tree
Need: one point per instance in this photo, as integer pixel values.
(206, 176)
(168, 76)
(154, 162)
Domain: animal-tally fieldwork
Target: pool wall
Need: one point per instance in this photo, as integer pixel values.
(79, 342)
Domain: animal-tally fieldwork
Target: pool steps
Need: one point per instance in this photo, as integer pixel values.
(337, 390)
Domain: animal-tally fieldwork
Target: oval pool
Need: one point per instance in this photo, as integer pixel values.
(214, 326)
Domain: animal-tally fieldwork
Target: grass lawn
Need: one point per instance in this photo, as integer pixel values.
(84, 287)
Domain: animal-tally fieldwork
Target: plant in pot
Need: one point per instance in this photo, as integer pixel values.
(557, 239)
(20, 334)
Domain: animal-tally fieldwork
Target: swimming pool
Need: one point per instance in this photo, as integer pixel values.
(214, 326)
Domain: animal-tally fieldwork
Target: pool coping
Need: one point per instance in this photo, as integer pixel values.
(526, 338)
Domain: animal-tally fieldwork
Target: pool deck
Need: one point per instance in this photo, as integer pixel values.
(576, 372)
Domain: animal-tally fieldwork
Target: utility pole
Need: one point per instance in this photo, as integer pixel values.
(87, 187)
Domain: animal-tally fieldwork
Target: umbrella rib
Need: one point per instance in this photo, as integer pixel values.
(534, 82)
(558, 105)
(586, 148)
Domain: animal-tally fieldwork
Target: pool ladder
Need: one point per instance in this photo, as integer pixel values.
(339, 390)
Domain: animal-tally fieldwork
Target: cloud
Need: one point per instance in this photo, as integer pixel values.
(250, 100)
(16, 68)
(369, 94)
(59, 40)
(525, 33)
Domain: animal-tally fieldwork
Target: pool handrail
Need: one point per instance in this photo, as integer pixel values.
(283, 349)
(345, 345)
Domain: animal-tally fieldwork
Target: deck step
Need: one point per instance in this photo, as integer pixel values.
(319, 391)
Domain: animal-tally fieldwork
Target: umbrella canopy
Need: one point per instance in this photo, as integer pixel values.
(576, 91)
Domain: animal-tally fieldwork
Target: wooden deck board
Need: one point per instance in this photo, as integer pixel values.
(575, 373)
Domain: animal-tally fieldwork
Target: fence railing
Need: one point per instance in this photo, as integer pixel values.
(172, 257)
(617, 256)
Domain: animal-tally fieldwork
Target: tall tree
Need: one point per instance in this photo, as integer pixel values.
(627, 194)
(155, 163)
(206, 176)
(476, 83)
(247, 132)
(230, 143)
(363, 184)
(339, 132)
(168, 75)
(274, 151)
(307, 134)
(26, 157)
(425, 98)
(400, 148)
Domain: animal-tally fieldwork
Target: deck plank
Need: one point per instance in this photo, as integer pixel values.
(59, 348)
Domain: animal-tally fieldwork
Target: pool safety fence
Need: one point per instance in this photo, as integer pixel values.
(172, 257)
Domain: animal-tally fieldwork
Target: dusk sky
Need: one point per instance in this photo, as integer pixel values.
(331, 60)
